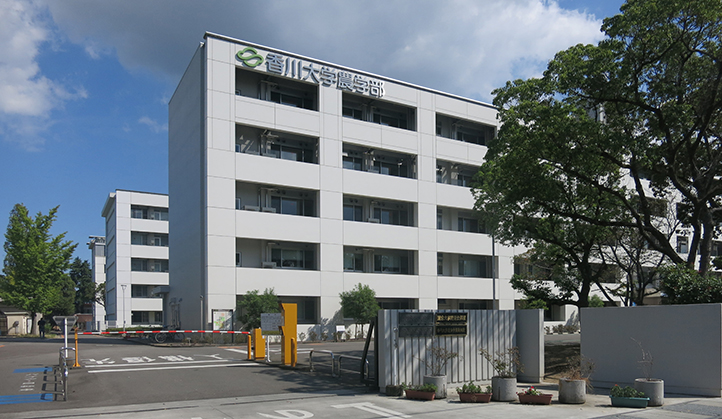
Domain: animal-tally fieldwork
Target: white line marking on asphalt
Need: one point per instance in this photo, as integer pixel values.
(177, 367)
(159, 363)
(372, 408)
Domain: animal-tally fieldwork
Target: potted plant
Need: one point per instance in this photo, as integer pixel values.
(652, 387)
(534, 396)
(506, 364)
(627, 397)
(575, 380)
(436, 359)
(422, 392)
(471, 393)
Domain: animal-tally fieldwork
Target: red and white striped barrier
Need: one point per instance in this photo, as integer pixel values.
(120, 332)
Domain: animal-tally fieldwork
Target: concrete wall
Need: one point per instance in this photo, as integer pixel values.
(530, 340)
(684, 341)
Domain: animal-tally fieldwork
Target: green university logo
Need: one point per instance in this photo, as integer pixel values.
(251, 60)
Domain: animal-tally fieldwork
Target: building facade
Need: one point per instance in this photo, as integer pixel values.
(136, 257)
(307, 177)
(97, 266)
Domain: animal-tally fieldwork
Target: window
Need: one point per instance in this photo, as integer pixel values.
(148, 265)
(379, 112)
(468, 225)
(138, 213)
(471, 267)
(159, 214)
(140, 317)
(392, 216)
(293, 258)
(353, 163)
(439, 220)
(391, 264)
(138, 238)
(682, 244)
(293, 206)
(353, 262)
(352, 212)
(292, 98)
(239, 259)
(141, 291)
(464, 179)
(439, 263)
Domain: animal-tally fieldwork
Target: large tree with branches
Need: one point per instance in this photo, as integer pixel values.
(614, 132)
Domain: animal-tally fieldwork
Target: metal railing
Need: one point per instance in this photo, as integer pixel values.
(357, 358)
(61, 372)
(333, 359)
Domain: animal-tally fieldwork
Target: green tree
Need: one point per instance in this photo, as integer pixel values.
(681, 285)
(85, 289)
(253, 304)
(36, 263)
(610, 135)
(360, 304)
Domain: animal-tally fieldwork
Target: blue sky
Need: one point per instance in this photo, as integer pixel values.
(84, 84)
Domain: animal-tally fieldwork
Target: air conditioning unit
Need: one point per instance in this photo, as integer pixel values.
(270, 265)
(269, 209)
(251, 208)
(374, 220)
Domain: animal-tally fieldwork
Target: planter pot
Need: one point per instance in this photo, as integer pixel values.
(420, 395)
(652, 388)
(503, 389)
(440, 382)
(629, 401)
(535, 399)
(475, 397)
(394, 390)
(572, 391)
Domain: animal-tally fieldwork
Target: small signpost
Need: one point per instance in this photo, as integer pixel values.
(65, 321)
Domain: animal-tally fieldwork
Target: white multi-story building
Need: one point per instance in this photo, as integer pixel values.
(97, 266)
(308, 177)
(136, 261)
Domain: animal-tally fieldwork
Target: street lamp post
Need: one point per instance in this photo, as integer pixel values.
(123, 286)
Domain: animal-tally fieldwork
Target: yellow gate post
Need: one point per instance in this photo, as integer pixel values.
(259, 345)
(250, 347)
(288, 330)
(76, 365)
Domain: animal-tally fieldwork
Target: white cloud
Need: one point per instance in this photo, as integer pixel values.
(26, 96)
(153, 125)
(464, 47)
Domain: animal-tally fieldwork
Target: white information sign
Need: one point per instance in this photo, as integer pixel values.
(270, 322)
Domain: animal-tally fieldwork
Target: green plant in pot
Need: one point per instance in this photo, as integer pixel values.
(471, 393)
(574, 383)
(627, 397)
(506, 364)
(435, 361)
(422, 392)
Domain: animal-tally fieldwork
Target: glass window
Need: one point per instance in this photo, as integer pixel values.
(682, 245)
(354, 113)
(292, 258)
(392, 264)
(439, 220)
(138, 238)
(353, 262)
(470, 268)
(353, 163)
(469, 225)
(439, 264)
(353, 213)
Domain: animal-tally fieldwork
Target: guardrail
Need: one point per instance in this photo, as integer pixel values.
(61, 372)
(323, 351)
(358, 358)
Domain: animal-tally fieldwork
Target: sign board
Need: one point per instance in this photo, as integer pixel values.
(416, 324)
(222, 319)
(63, 320)
(451, 324)
(270, 322)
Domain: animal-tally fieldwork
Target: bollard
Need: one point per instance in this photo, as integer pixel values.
(250, 347)
(76, 364)
(294, 352)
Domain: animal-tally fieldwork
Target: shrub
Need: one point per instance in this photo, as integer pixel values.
(472, 388)
(627, 391)
(506, 363)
